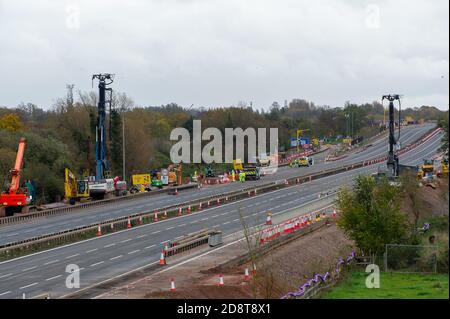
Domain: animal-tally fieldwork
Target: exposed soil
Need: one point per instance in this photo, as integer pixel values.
(433, 202)
(278, 272)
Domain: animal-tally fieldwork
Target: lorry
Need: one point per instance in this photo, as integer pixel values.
(252, 171)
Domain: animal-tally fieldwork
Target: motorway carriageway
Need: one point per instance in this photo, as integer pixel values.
(105, 257)
(96, 214)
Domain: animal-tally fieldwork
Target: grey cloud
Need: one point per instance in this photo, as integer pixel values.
(219, 52)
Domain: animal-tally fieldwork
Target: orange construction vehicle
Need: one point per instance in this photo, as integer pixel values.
(14, 199)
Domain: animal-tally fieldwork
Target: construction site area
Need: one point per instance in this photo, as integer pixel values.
(243, 191)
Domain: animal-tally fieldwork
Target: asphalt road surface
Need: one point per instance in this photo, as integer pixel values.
(96, 214)
(108, 256)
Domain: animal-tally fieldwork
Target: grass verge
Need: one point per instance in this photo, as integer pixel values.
(392, 286)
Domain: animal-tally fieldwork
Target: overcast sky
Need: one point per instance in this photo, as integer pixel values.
(219, 52)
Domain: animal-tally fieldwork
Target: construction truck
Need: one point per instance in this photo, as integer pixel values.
(444, 167)
(140, 183)
(303, 161)
(252, 171)
(443, 171)
(15, 199)
(426, 170)
(75, 190)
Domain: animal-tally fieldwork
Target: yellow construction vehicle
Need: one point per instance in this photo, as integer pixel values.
(75, 190)
(426, 170)
(237, 165)
(444, 167)
(175, 174)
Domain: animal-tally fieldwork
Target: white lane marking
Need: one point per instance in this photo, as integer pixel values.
(215, 216)
(110, 245)
(5, 293)
(163, 242)
(226, 223)
(134, 251)
(216, 226)
(96, 264)
(30, 285)
(31, 268)
(51, 278)
(117, 257)
(204, 219)
(193, 222)
(235, 220)
(52, 262)
(178, 237)
(181, 225)
(155, 232)
(68, 257)
(169, 228)
(126, 240)
(7, 275)
(90, 251)
(148, 247)
(142, 236)
(11, 234)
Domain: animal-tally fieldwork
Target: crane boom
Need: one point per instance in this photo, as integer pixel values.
(15, 172)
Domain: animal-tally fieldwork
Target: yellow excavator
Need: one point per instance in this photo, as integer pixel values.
(426, 170)
(75, 190)
(444, 167)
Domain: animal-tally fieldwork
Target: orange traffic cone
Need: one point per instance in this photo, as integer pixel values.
(165, 214)
(112, 227)
(176, 191)
(172, 285)
(254, 270)
(180, 212)
(140, 220)
(218, 201)
(99, 230)
(334, 213)
(269, 219)
(155, 218)
(209, 204)
(129, 223)
(221, 283)
(162, 259)
(189, 209)
(246, 275)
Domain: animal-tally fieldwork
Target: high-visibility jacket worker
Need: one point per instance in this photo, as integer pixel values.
(242, 177)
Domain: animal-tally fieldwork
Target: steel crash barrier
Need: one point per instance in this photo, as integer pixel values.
(68, 209)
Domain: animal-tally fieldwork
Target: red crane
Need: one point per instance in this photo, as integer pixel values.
(14, 199)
